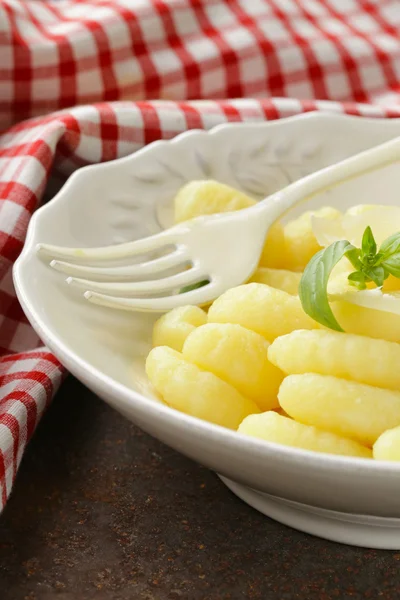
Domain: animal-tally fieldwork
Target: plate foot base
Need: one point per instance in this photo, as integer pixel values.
(356, 530)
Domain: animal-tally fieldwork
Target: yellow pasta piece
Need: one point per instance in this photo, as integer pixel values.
(344, 355)
(208, 197)
(261, 308)
(173, 328)
(273, 254)
(347, 408)
(273, 427)
(287, 281)
(239, 357)
(387, 446)
(367, 321)
(191, 390)
(392, 284)
(300, 241)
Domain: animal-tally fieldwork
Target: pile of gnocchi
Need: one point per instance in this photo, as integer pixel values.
(255, 362)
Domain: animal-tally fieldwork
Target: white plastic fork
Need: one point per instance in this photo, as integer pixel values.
(221, 249)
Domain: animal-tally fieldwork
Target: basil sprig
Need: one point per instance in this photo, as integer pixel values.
(369, 264)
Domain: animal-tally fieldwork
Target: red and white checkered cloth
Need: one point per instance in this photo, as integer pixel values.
(173, 65)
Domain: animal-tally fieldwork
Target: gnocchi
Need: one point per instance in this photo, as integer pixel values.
(198, 198)
(258, 363)
(239, 357)
(281, 279)
(173, 328)
(354, 410)
(273, 427)
(392, 284)
(300, 241)
(186, 387)
(260, 308)
(387, 446)
(347, 356)
(273, 254)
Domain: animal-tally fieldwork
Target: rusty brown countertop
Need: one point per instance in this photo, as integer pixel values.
(101, 510)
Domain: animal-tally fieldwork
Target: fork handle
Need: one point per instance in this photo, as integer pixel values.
(276, 205)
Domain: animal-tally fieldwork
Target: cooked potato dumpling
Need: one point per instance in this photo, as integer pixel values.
(261, 308)
(173, 328)
(360, 412)
(272, 427)
(387, 446)
(343, 355)
(341, 393)
(367, 321)
(281, 279)
(188, 388)
(300, 241)
(392, 284)
(239, 357)
(273, 254)
(208, 197)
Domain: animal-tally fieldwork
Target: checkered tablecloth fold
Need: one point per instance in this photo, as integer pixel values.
(135, 71)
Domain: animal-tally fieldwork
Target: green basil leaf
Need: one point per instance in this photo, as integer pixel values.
(379, 258)
(376, 274)
(357, 278)
(368, 244)
(314, 282)
(390, 246)
(353, 256)
(392, 265)
(194, 286)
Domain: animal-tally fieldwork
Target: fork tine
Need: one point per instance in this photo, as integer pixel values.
(125, 272)
(150, 286)
(198, 296)
(151, 243)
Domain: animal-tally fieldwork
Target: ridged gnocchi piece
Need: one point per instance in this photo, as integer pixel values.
(367, 321)
(347, 408)
(272, 427)
(239, 357)
(387, 446)
(344, 355)
(173, 328)
(281, 279)
(300, 241)
(207, 197)
(196, 392)
(261, 308)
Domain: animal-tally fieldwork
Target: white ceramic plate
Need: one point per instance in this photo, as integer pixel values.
(348, 500)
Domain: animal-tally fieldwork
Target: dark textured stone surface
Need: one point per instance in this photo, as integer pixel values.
(101, 510)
